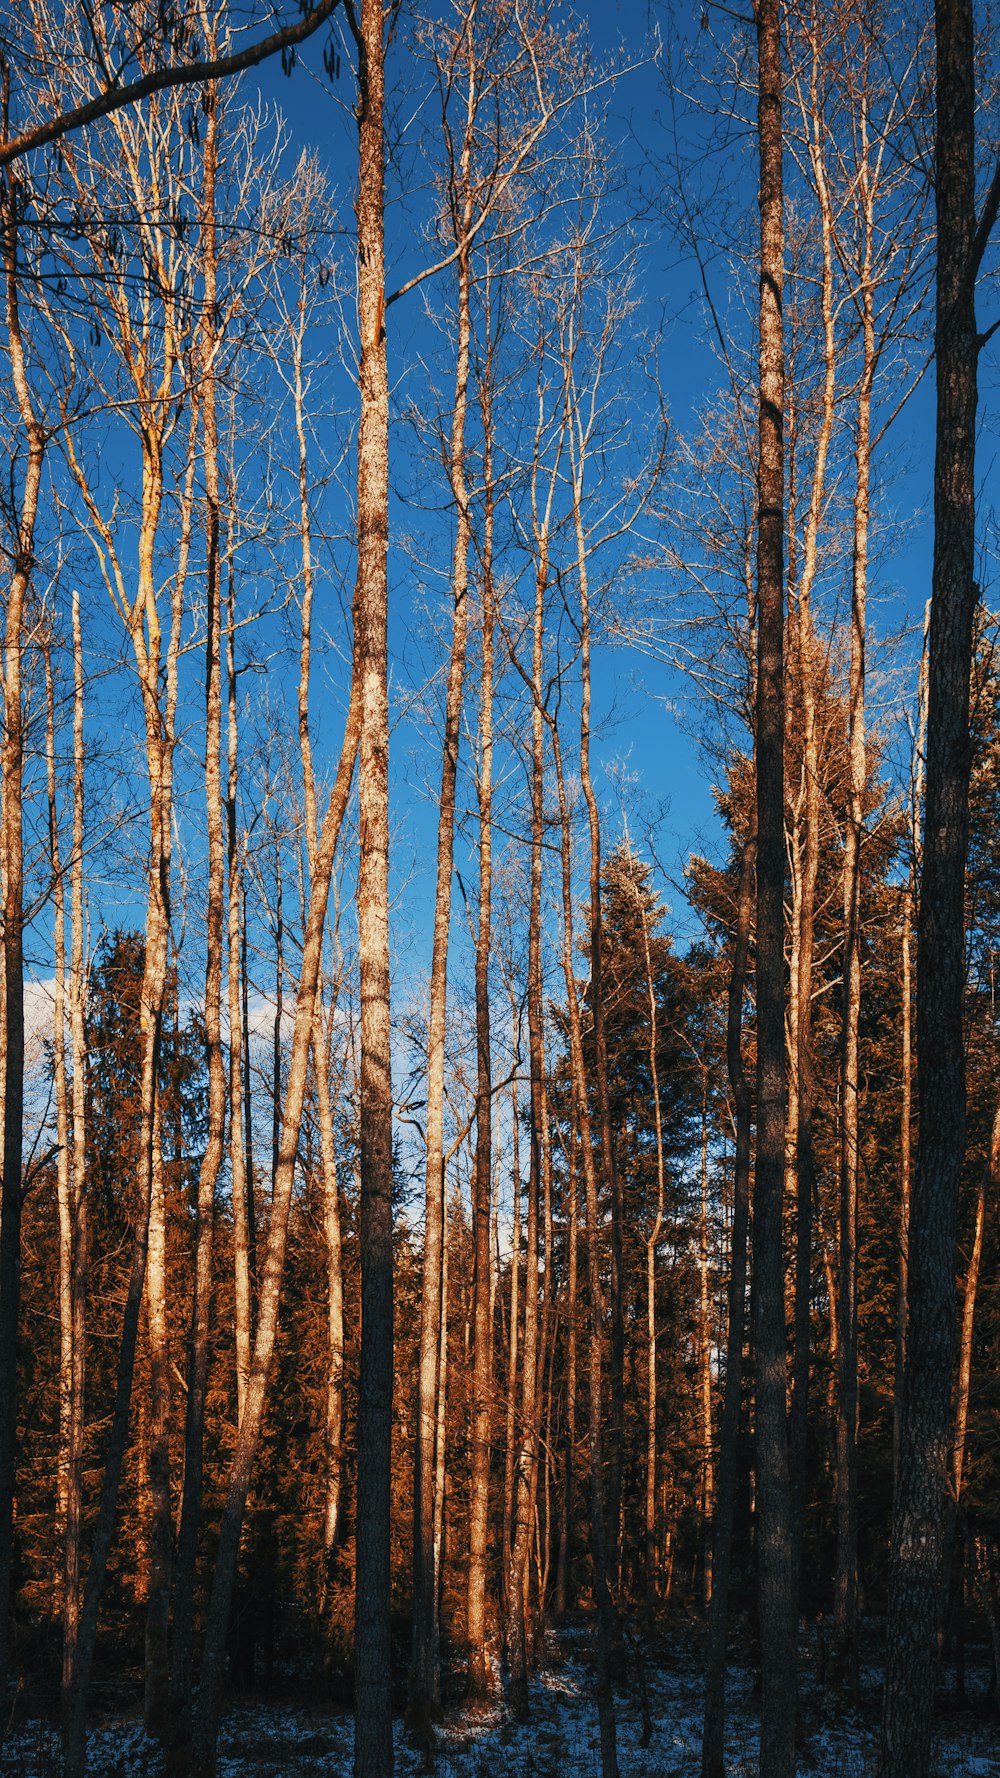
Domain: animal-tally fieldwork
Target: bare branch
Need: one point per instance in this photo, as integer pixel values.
(195, 73)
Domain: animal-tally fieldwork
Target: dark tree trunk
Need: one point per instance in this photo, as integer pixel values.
(12, 893)
(712, 1749)
(211, 1164)
(921, 1513)
(776, 1580)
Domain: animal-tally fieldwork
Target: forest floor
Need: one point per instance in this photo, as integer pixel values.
(270, 1740)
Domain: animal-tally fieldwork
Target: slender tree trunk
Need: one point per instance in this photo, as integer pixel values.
(989, 1176)
(534, 1616)
(600, 1553)
(64, 1159)
(705, 1332)
(78, 1197)
(517, 1609)
(241, 1470)
(150, 1020)
(512, 1348)
(775, 1539)
(372, 1695)
(239, 1150)
(441, 1435)
(334, 1407)
(248, 1135)
(905, 1151)
(277, 1029)
(543, 488)
(212, 1157)
(806, 1067)
(424, 1674)
(846, 1584)
(920, 1517)
(713, 1735)
(157, 678)
(482, 1380)
(12, 895)
(569, 1466)
(616, 1430)
(652, 1564)
(160, 1530)
(910, 904)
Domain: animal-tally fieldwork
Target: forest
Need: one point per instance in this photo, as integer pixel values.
(499, 889)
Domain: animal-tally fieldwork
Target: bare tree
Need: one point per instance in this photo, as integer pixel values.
(142, 35)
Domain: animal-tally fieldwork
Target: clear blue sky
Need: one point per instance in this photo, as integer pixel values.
(645, 735)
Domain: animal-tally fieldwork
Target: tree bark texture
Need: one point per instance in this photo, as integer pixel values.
(12, 895)
(482, 1381)
(211, 1162)
(372, 1696)
(775, 1553)
(921, 1507)
(713, 1733)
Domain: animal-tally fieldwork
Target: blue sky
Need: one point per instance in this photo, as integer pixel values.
(643, 709)
(645, 712)
(646, 738)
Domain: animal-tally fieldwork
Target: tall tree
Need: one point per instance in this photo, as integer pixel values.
(372, 1653)
(22, 557)
(776, 1583)
(921, 1507)
(713, 1733)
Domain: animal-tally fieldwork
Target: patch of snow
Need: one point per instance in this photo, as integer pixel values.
(267, 1740)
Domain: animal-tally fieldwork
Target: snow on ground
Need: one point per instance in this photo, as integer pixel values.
(267, 1740)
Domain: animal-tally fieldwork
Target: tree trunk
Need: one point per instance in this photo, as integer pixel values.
(157, 679)
(334, 1407)
(160, 1531)
(705, 1336)
(325, 1097)
(905, 1151)
(846, 1583)
(713, 1735)
(12, 895)
(652, 1563)
(921, 1507)
(482, 1380)
(240, 1152)
(78, 1197)
(776, 1574)
(989, 1176)
(569, 1466)
(805, 1183)
(211, 1162)
(241, 1470)
(64, 1174)
(372, 1695)
(616, 1430)
(512, 1350)
(600, 1553)
(424, 1688)
(517, 1607)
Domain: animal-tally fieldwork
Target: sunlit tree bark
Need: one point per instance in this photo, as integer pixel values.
(775, 1557)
